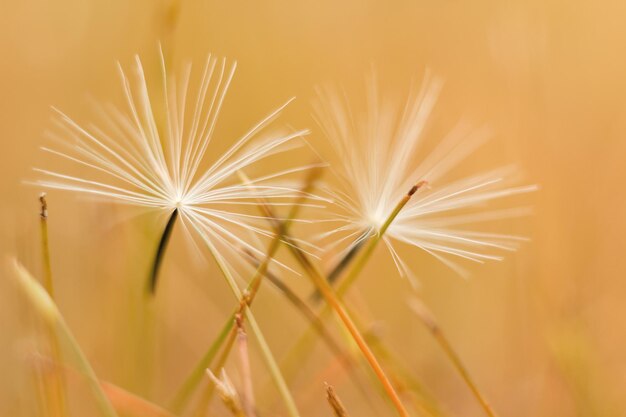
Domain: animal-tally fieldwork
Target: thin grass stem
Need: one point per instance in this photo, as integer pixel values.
(55, 384)
(45, 246)
(334, 302)
(193, 379)
(266, 352)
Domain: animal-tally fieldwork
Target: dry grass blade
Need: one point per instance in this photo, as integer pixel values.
(429, 320)
(335, 402)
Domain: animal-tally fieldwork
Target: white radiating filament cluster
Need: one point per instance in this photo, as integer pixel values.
(151, 153)
(381, 154)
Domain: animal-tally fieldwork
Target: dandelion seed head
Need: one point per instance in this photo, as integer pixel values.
(152, 152)
(382, 151)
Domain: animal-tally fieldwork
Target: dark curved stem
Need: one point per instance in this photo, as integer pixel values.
(158, 258)
(336, 272)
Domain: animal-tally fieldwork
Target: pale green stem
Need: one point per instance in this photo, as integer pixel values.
(194, 378)
(277, 376)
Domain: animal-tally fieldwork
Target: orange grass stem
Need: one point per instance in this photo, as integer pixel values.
(334, 301)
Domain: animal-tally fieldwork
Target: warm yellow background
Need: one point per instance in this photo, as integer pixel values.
(543, 332)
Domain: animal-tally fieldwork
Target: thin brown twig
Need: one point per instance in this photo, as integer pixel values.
(227, 393)
(335, 403)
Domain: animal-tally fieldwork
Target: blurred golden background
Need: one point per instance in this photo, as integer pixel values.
(543, 332)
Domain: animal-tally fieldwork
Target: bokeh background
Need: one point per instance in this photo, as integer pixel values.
(543, 332)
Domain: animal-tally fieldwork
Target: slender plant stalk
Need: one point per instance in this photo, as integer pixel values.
(335, 403)
(190, 384)
(402, 380)
(428, 318)
(345, 360)
(158, 257)
(352, 274)
(265, 349)
(333, 300)
(44, 304)
(360, 262)
(55, 384)
(45, 246)
(244, 369)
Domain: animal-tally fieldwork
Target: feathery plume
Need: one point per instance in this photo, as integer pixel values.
(138, 158)
(381, 149)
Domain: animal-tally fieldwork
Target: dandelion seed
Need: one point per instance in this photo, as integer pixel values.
(135, 157)
(382, 153)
